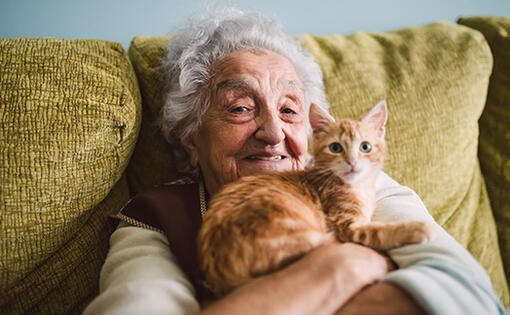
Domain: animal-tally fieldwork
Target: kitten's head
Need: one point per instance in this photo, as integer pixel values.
(352, 149)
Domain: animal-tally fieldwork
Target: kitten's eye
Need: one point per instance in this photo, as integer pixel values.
(365, 147)
(336, 147)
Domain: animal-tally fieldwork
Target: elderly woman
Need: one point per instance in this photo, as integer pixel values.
(238, 98)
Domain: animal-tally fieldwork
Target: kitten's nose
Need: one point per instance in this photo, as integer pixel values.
(352, 163)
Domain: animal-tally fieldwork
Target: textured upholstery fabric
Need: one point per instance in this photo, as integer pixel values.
(434, 79)
(69, 118)
(494, 148)
(152, 162)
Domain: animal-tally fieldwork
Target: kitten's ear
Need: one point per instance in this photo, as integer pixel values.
(320, 119)
(376, 118)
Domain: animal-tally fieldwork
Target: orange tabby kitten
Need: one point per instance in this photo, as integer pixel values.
(263, 222)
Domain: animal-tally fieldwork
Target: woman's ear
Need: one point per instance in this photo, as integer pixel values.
(320, 119)
(191, 149)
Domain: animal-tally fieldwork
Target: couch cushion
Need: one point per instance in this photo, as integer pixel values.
(69, 119)
(494, 149)
(152, 162)
(434, 79)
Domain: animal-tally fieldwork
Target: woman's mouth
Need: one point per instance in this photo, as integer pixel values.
(266, 158)
(264, 162)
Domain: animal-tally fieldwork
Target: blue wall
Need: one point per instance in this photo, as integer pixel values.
(121, 20)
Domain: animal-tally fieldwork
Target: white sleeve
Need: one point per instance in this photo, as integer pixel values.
(141, 276)
(441, 275)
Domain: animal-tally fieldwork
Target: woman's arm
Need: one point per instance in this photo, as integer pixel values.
(441, 276)
(319, 283)
(141, 276)
(381, 299)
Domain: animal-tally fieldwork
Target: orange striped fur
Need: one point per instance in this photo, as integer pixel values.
(260, 223)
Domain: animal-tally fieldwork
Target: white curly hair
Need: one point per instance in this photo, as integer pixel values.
(193, 50)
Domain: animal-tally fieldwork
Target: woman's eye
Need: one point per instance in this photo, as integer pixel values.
(240, 109)
(365, 147)
(288, 111)
(336, 147)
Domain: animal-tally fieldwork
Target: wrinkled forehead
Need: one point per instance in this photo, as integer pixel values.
(246, 68)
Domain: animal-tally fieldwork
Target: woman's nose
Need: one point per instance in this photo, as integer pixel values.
(270, 129)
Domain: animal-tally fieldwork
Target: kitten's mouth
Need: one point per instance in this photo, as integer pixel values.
(350, 172)
(266, 158)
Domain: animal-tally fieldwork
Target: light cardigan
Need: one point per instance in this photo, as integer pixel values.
(141, 275)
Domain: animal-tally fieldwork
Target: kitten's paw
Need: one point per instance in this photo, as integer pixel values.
(420, 231)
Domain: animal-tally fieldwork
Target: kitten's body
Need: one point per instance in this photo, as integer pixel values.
(263, 222)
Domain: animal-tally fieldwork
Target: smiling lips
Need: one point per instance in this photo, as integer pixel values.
(266, 157)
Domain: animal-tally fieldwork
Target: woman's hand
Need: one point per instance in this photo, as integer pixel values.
(319, 283)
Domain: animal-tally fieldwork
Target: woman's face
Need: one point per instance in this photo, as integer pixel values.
(256, 122)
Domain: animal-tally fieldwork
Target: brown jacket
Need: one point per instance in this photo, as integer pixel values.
(173, 210)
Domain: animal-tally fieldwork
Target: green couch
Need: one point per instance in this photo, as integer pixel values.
(77, 140)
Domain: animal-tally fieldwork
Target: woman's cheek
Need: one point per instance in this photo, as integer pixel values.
(232, 139)
(298, 141)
